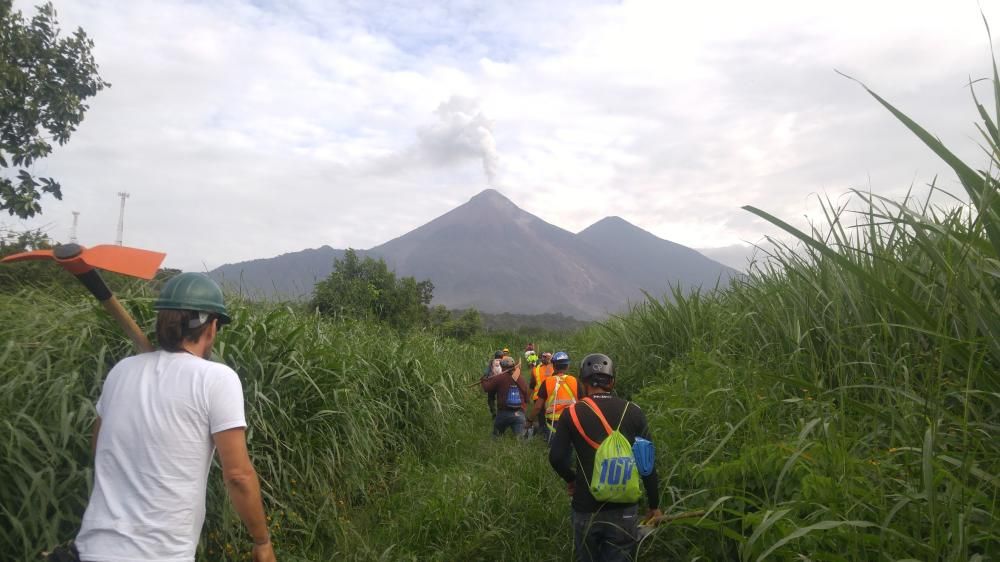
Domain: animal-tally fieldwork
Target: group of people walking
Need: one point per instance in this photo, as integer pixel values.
(161, 417)
(548, 387)
(574, 416)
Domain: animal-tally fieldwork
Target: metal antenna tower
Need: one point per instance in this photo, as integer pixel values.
(72, 233)
(121, 217)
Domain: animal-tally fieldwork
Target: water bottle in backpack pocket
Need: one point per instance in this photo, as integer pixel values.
(645, 455)
(514, 397)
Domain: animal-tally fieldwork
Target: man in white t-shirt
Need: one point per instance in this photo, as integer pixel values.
(161, 416)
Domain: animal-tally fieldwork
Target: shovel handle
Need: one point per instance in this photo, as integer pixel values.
(97, 287)
(116, 310)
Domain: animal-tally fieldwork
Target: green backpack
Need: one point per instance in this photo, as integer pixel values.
(615, 478)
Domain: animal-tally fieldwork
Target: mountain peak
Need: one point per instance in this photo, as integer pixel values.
(611, 223)
(491, 196)
(489, 203)
(467, 254)
(612, 220)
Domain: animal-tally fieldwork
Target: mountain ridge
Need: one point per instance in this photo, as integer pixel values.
(490, 254)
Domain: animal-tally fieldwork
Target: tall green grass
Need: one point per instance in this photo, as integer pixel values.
(839, 402)
(842, 400)
(332, 408)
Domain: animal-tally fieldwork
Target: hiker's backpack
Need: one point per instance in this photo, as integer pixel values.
(497, 369)
(514, 397)
(616, 476)
(554, 404)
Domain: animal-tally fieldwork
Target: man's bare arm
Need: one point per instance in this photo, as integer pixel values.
(242, 483)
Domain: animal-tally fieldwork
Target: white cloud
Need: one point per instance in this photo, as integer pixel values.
(246, 129)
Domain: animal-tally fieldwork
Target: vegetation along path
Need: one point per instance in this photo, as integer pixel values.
(838, 403)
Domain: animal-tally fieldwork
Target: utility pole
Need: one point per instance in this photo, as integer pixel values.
(121, 218)
(72, 233)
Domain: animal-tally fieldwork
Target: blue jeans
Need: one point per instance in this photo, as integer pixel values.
(606, 536)
(514, 419)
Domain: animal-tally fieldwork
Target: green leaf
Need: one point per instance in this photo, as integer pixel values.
(821, 526)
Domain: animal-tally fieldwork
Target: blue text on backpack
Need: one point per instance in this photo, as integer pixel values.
(513, 396)
(615, 477)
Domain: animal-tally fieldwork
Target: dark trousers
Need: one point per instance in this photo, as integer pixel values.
(550, 430)
(542, 429)
(514, 419)
(606, 536)
(491, 401)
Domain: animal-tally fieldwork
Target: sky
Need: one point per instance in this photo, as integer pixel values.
(248, 129)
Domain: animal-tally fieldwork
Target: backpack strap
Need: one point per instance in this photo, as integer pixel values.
(579, 428)
(597, 411)
(627, 404)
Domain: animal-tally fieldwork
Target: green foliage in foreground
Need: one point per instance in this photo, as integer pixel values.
(332, 408)
(837, 404)
(842, 402)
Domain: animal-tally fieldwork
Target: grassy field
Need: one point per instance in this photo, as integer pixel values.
(841, 402)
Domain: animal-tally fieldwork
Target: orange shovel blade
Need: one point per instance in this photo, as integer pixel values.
(124, 260)
(24, 256)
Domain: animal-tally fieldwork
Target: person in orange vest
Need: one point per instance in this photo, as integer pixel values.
(541, 372)
(559, 391)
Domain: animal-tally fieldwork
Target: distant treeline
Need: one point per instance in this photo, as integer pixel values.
(549, 322)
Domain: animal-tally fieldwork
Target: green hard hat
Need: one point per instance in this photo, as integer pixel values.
(193, 291)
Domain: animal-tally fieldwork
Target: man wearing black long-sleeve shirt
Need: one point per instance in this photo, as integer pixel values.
(601, 531)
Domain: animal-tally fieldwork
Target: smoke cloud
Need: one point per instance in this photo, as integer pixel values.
(462, 131)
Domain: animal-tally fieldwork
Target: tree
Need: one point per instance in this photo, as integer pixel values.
(457, 324)
(44, 81)
(465, 326)
(438, 316)
(366, 288)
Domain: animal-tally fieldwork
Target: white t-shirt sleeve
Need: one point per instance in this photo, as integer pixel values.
(108, 383)
(225, 401)
(100, 405)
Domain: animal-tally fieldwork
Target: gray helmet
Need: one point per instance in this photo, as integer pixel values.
(596, 365)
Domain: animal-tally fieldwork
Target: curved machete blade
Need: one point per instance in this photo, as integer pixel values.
(124, 260)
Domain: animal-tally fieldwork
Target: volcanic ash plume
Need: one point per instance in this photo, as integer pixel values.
(463, 130)
(488, 145)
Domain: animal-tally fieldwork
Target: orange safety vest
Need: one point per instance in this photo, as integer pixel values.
(561, 392)
(541, 372)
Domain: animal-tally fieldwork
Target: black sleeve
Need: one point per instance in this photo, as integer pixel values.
(561, 449)
(651, 482)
